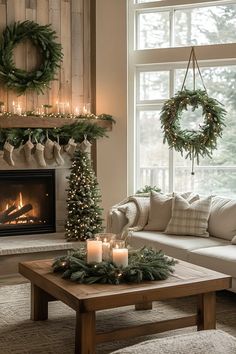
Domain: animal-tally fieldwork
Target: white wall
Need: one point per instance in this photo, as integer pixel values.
(111, 88)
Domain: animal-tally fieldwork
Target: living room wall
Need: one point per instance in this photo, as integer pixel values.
(111, 97)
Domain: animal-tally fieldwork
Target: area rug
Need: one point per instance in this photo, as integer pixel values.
(20, 335)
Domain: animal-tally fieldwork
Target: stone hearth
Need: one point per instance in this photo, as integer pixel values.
(15, 249)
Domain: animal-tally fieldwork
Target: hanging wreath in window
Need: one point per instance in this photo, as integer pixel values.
(199, 142)
(43, 37)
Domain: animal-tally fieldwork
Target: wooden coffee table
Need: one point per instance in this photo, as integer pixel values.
(187, 280)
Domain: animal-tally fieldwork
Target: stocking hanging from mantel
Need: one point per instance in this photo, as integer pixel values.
(7, 153)
(195, 143)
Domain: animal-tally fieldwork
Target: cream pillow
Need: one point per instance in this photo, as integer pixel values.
(222, 220)
(161, 209)
(189, 219)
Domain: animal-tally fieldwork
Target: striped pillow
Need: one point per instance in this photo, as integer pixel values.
(189, 219)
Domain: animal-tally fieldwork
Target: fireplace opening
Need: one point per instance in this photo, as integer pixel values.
(27, 203)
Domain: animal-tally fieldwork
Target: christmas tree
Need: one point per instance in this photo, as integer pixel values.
(84, 214)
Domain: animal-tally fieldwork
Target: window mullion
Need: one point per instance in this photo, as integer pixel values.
(171, 151)
(172, 25)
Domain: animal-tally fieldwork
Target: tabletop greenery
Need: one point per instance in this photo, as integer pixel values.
(144, 264)
(43, 37)
(199, 142)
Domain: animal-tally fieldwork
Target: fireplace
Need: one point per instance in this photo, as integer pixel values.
(27, 202)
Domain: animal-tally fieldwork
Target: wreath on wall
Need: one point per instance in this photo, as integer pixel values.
(199, 142)
(43, 37)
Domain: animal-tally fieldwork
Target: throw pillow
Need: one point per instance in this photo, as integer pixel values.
(234, 241)
(189, 219)
(222, 220)
(161, 209)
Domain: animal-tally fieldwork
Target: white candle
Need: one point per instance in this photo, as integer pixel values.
(77, 111)
(14, 107)
(94, 251)
(120, 256)
(18, 109)
(85, 111)
(57, 105)
(67, 107)
(106, 250)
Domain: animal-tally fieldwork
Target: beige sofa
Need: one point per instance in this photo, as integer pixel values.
(217, 252)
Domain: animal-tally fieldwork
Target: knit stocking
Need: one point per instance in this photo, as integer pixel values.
(85, 146)
(27, 148)
(57, 154)
(71, 147)
(7, 153)
(48, 150)
(39, 155)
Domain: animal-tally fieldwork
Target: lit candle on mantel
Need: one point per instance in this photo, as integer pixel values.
(18, 109)
(14, 107)
(94, 251)
(106, 246)
(120, 256)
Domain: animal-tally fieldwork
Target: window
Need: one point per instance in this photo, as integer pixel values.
(158, 59)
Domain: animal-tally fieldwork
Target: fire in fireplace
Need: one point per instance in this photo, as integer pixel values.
(27, 203)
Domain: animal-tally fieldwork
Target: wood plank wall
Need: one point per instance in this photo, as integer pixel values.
(71, 21)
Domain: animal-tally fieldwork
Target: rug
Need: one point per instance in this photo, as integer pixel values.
(20, 335)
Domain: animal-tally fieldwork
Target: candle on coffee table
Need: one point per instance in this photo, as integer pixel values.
(120, 256)
(94, 251)
(106, 246)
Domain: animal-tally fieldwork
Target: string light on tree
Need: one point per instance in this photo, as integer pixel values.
(84, 213)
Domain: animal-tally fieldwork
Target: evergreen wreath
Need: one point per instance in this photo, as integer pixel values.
(144, 264)
(194, 142)
(42, 37)
(199, 142)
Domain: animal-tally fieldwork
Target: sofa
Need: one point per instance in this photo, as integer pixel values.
(147, 219)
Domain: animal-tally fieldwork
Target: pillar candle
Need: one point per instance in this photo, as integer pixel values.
(94, 251)
(106, 246)
(120, 256)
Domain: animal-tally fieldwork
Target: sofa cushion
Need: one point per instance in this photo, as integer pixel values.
(189, 219)
(172, 245)
(222, 220)
(161, 209)
(221, 258)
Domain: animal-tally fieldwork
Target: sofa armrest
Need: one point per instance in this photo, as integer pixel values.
(116, 221)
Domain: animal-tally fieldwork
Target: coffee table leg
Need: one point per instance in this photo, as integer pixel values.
(143, 306)
(85, 333)
(206, 311)
(39, 304)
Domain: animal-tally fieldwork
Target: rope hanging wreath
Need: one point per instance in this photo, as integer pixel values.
(199, 142)
(43, 37)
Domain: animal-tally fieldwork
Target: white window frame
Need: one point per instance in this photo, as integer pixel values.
(208, 55)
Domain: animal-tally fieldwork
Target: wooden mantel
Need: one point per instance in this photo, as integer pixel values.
(16, 121)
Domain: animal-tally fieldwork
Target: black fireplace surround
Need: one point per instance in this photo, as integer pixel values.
(27, 202)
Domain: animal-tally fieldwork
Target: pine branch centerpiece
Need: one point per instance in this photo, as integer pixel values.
(84, 214)
(145, 264)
